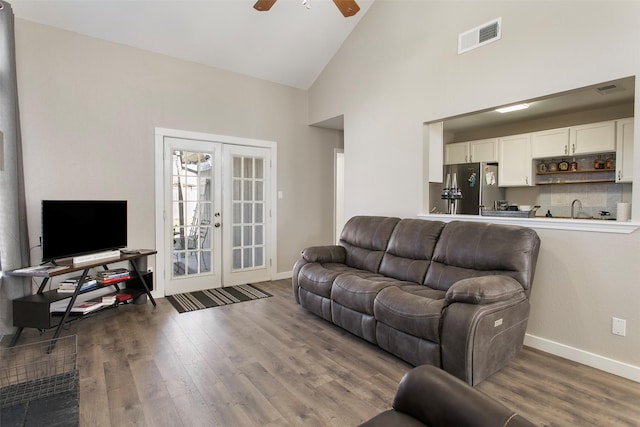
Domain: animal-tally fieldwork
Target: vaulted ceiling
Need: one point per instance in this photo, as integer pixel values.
(290, 44)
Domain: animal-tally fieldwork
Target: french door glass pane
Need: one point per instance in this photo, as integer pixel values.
(191, 212)
(248, 213)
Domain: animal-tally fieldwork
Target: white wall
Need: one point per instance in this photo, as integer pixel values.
(89, 109)
(400, 68)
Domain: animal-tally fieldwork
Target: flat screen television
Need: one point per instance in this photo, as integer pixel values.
(79, 227)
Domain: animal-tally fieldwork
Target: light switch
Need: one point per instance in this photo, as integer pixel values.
(280, 194)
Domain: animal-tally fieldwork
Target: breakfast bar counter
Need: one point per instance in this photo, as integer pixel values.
(593, 225)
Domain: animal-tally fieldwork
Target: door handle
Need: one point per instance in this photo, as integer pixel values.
(216, 225)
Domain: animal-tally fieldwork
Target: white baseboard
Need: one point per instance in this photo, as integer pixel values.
(606, 364)
(283, 275)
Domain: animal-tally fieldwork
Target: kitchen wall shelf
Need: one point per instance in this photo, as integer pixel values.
(591, 181)
(581, 176)
(575, 172)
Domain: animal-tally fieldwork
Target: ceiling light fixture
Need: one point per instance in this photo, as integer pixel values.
(512, 108)
(346, 7)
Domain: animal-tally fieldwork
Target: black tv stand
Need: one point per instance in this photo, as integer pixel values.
(33, 311)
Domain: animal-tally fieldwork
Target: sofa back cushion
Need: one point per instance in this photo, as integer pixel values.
(410, 249)
(473, 249)
(365, 238)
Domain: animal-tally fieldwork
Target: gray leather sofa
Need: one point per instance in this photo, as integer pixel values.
(454, 295)
(428, 396)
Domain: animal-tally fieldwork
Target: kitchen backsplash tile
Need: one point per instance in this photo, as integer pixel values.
(595, 197)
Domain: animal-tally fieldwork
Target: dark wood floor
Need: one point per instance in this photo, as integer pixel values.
(270, 363)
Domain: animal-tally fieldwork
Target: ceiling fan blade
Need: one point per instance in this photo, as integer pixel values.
(263, 5)
(347, 7)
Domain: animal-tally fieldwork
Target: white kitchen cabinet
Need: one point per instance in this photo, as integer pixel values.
(624, 150)
(514, 157)
(550, 143)
(455, 153)
(484, 150)
(593, 138)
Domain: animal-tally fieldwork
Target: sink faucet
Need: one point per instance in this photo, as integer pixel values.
(573, 204)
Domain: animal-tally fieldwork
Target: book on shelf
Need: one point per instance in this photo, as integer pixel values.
(86, 307)
(112, 272)
(70, 285)
(112, 276)
(109, 280)
(76, 279)
(119, 297)
(69, 290)
(109, 300)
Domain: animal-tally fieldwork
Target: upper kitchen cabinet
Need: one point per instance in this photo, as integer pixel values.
(593, 138)
(514, 157)
(624, 150)
(550, 143)
(484, 150)
(456, 153)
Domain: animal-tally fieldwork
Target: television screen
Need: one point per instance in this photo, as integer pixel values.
(78, 227)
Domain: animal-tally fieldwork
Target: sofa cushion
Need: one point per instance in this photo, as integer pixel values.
(414, 309)
(410, 249)
(474, 249)
(365, 238)
(318, 278)
(358, 293)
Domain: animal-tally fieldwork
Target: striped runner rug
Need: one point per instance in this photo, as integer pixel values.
(192, 301)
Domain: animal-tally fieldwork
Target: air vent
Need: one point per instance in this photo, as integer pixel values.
(608, 89)
(479, 36)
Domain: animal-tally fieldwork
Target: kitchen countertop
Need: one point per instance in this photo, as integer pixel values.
(593, 225)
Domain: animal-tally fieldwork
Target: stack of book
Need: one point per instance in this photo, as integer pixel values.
(107, 277)
(86, 307)
(120, 297)
(109, 300)
(70, 285)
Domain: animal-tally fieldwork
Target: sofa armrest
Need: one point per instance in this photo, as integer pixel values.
(484, 290)
(437, 398)
(325, 254)
(321, 254)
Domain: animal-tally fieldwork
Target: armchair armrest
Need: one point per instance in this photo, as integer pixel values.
(484, 290)
(437, 398)
(325, 254)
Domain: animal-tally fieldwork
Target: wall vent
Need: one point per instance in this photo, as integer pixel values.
(609, 89)
(479, 36)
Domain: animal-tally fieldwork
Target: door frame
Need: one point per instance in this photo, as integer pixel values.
(338, 193)
(160, 134)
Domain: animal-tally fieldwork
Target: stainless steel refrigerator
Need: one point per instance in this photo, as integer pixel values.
(478, 184)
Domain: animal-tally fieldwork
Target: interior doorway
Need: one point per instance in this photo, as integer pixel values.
(217, 222)
(338, 211)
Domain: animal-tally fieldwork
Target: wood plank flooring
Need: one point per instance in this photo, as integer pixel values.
(271, 363)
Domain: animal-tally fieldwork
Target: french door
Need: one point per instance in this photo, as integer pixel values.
(216, 214)
(246, 193)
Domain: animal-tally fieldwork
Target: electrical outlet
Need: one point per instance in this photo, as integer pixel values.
(618, 326)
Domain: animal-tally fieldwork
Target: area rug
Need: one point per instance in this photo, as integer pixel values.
(192, 301)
